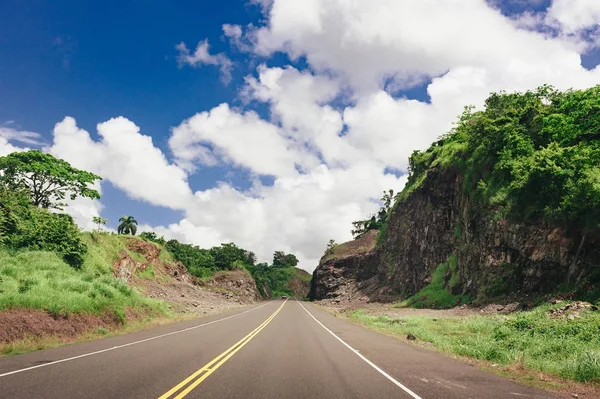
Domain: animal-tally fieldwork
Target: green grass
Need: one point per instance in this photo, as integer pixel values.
(566, 348)
(103, 249)
(42, 280)
(148, 273)
(437, 294)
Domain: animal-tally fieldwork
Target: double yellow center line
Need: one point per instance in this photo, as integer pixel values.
(217, 362)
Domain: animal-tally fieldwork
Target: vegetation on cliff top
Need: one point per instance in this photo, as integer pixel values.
(530, 155)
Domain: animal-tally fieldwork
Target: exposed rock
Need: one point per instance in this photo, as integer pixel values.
(570, 311)
(237, 283)
(497, 260)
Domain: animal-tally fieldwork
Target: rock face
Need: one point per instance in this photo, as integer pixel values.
(495, 257)
(239, 283)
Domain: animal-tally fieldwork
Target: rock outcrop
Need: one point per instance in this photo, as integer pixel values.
(239, 284)
(495, 257)
(171, 281)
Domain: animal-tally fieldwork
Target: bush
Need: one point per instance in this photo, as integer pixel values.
(533, 155)
(26, 226)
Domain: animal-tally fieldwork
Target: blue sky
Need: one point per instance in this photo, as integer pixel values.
(95, 61)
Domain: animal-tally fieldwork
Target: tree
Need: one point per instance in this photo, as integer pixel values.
(375, 222)
(151, 236)
(227, 254)
(100, 221)
(47, 179)
(281, 259)
(128, 225)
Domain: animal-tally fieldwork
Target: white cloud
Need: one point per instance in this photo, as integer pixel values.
(20, 136)
(201, 56)
(6, 148)
(240, 139)
(126, 158)
(575, 15)
(233, 32)
(407, 41)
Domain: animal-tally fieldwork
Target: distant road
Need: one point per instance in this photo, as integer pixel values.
(279, 349)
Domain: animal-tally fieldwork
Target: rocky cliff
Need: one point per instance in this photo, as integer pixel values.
(494, 258)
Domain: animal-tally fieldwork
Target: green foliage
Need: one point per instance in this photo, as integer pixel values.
(148, 273)
(203, 263)
(566, 348)
(27, 226)
(375, 222)
(151, 236)
(47, 180)
(533, 155)
(128, 225)
(275, 279)
(227, 254)
(280, 259)
(438, 293)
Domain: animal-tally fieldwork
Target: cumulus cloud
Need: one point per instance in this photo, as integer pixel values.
(201, 56)
(6, 148)
(243, 140)
(575, 15)
(402, 40)
(126, 158)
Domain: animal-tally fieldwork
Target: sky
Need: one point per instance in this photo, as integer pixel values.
(269, 123)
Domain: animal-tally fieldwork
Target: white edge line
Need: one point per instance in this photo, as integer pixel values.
(129, 344)
(370, 363)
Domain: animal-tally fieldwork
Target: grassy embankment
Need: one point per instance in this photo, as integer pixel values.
(42, 280)
(530, 340)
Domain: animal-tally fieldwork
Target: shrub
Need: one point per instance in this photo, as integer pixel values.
(26, 226)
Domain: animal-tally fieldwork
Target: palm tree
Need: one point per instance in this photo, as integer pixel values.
(128, 225)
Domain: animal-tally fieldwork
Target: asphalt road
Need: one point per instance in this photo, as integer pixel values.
(279, 349)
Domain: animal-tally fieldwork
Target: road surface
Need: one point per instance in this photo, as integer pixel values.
(278, 349)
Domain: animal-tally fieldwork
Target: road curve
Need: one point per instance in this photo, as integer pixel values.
(279, 349)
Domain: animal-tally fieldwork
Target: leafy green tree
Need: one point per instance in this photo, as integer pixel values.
(375, 222)
(198, 261)
(225, 256)
(281, 259)
(99, 221)
(47, 179)
(128, 225)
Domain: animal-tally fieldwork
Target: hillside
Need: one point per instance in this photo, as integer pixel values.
(122, 281)
(503, 208)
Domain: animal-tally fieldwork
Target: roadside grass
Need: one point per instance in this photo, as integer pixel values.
(530, 340)
(42, 280)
